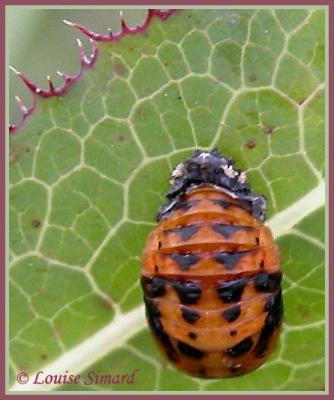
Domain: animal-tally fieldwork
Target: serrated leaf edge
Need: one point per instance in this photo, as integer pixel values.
(86, 62)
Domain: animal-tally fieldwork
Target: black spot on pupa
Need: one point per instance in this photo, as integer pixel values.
(35, 223)
(185, 261)
(229, 230)
(230, 260)
(189, 292)
(159, 245)
(192, 335)
(190, 351)
(222, 203)
(153, 318)
(156, 268)
(231, 291)
(265, 282)
(185, 232)
(262, 264)
(154, 287)
(241, 348)
(158, 287)
(186, 205)
(189, 315)
(273, 320)
(233, 333)
(257, 240)
(250, 144)
(232, 313)
(271, 302)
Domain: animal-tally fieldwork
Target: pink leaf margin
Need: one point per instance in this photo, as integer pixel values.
(87, 61)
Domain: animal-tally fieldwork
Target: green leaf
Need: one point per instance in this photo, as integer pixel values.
(88, 171)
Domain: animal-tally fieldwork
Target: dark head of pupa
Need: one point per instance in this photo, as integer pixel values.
(212, 168)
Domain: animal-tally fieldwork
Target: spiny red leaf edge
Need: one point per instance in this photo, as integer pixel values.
(86, 61)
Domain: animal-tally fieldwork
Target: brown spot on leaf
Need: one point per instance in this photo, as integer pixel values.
(45, 254)
(250, 144)
(268, 130)
(106, 303)
(24, 367)
(35, 223)
(44, 356)
(119, 69)
(13, 157)
(303, 311)
(252, 77)
(14, 153)
(120, 138)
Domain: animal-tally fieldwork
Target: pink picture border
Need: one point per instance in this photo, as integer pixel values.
(330, 194)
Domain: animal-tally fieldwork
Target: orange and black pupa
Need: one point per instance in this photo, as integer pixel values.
(211, 274)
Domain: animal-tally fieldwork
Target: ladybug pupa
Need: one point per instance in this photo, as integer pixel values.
(210, 272)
